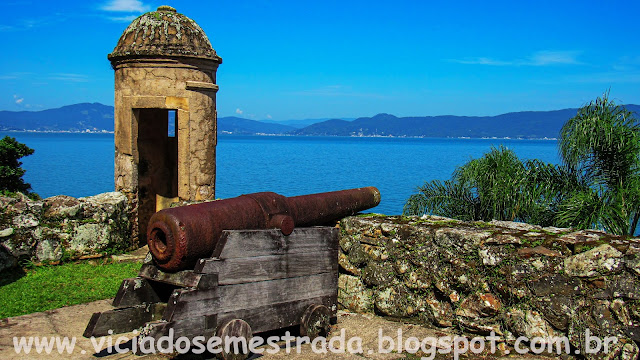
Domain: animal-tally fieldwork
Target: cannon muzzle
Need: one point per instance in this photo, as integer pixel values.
(178, 237)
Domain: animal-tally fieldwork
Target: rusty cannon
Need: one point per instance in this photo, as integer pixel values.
(237, 267)
(178, 237)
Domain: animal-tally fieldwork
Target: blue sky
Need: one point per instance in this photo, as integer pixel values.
(320, 59)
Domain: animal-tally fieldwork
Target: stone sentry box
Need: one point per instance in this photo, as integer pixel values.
(165, 72)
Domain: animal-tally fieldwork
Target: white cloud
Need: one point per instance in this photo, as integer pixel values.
(627, 63)
(18, 99)
(69, 77)
(32, 23)
(126, 19)
(539, 58)
(125, 6)
(542, 58)
(269, 117)
(482, 61)
(238, 111)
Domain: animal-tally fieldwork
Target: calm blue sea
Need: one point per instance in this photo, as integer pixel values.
(82, 164)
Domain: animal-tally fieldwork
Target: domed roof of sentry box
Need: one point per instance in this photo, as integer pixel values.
(163, 32)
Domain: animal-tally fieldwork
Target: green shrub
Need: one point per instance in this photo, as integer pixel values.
(11, 172)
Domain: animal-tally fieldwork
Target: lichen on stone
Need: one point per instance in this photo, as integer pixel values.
(510, 278)
(164, 33)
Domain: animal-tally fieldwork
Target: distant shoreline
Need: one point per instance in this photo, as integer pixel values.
(60, 131)
(301, 136)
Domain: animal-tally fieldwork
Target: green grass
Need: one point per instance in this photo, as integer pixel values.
(50, 287)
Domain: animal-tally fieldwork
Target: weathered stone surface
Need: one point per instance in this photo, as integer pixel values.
(439, 313)
(516, 280)
(6, 232)
(104, 206)
(378, 274)
(442, 280)
(480, 326)
(89, 237)
(602, 260)
(48, 250)
(43, 230)
(418, 279)
(503, 239)
(61, 206)
(357, 256)
(401, 266)
(164, 33)
(555, 230)
(514, 225)
(538, 250)
(555, 285)
(621, 312)
(580, 237)
(603, 316)
(375, 238)
(346, 242)
(490, 256)
(389, 229)
(353, 295)
(452, 237)
(510, 287)
(375, 253)
(479, 305)
(597, 320)
(634, 310)
(20, 245)
(632, 263)
(556, 310)
(344, 263)
(530, 324)
(25, 221)
(625, 286)
(395, 301)
(630, 352)
(23, 204)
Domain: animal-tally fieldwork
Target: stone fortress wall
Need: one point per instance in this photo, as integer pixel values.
(511, 278)
(62, 228)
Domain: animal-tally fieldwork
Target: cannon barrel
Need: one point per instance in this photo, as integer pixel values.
(178, 237)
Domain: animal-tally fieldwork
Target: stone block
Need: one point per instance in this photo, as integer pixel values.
(602, 260)
(353, 295)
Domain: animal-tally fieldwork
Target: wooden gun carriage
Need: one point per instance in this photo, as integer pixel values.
(251, 281)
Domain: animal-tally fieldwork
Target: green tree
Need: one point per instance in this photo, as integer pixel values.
(597, 186)
(497, 186)
(11, 173)
(602, 144)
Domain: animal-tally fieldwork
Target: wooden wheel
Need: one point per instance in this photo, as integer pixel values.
(315, 321)
(234, 350)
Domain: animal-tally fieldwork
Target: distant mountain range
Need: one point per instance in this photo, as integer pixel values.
(299, 124)
(95, 117)
(75, 118)
(235, 125)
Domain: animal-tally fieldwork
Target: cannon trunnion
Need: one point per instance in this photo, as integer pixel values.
(236, 267)
(178, 237)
